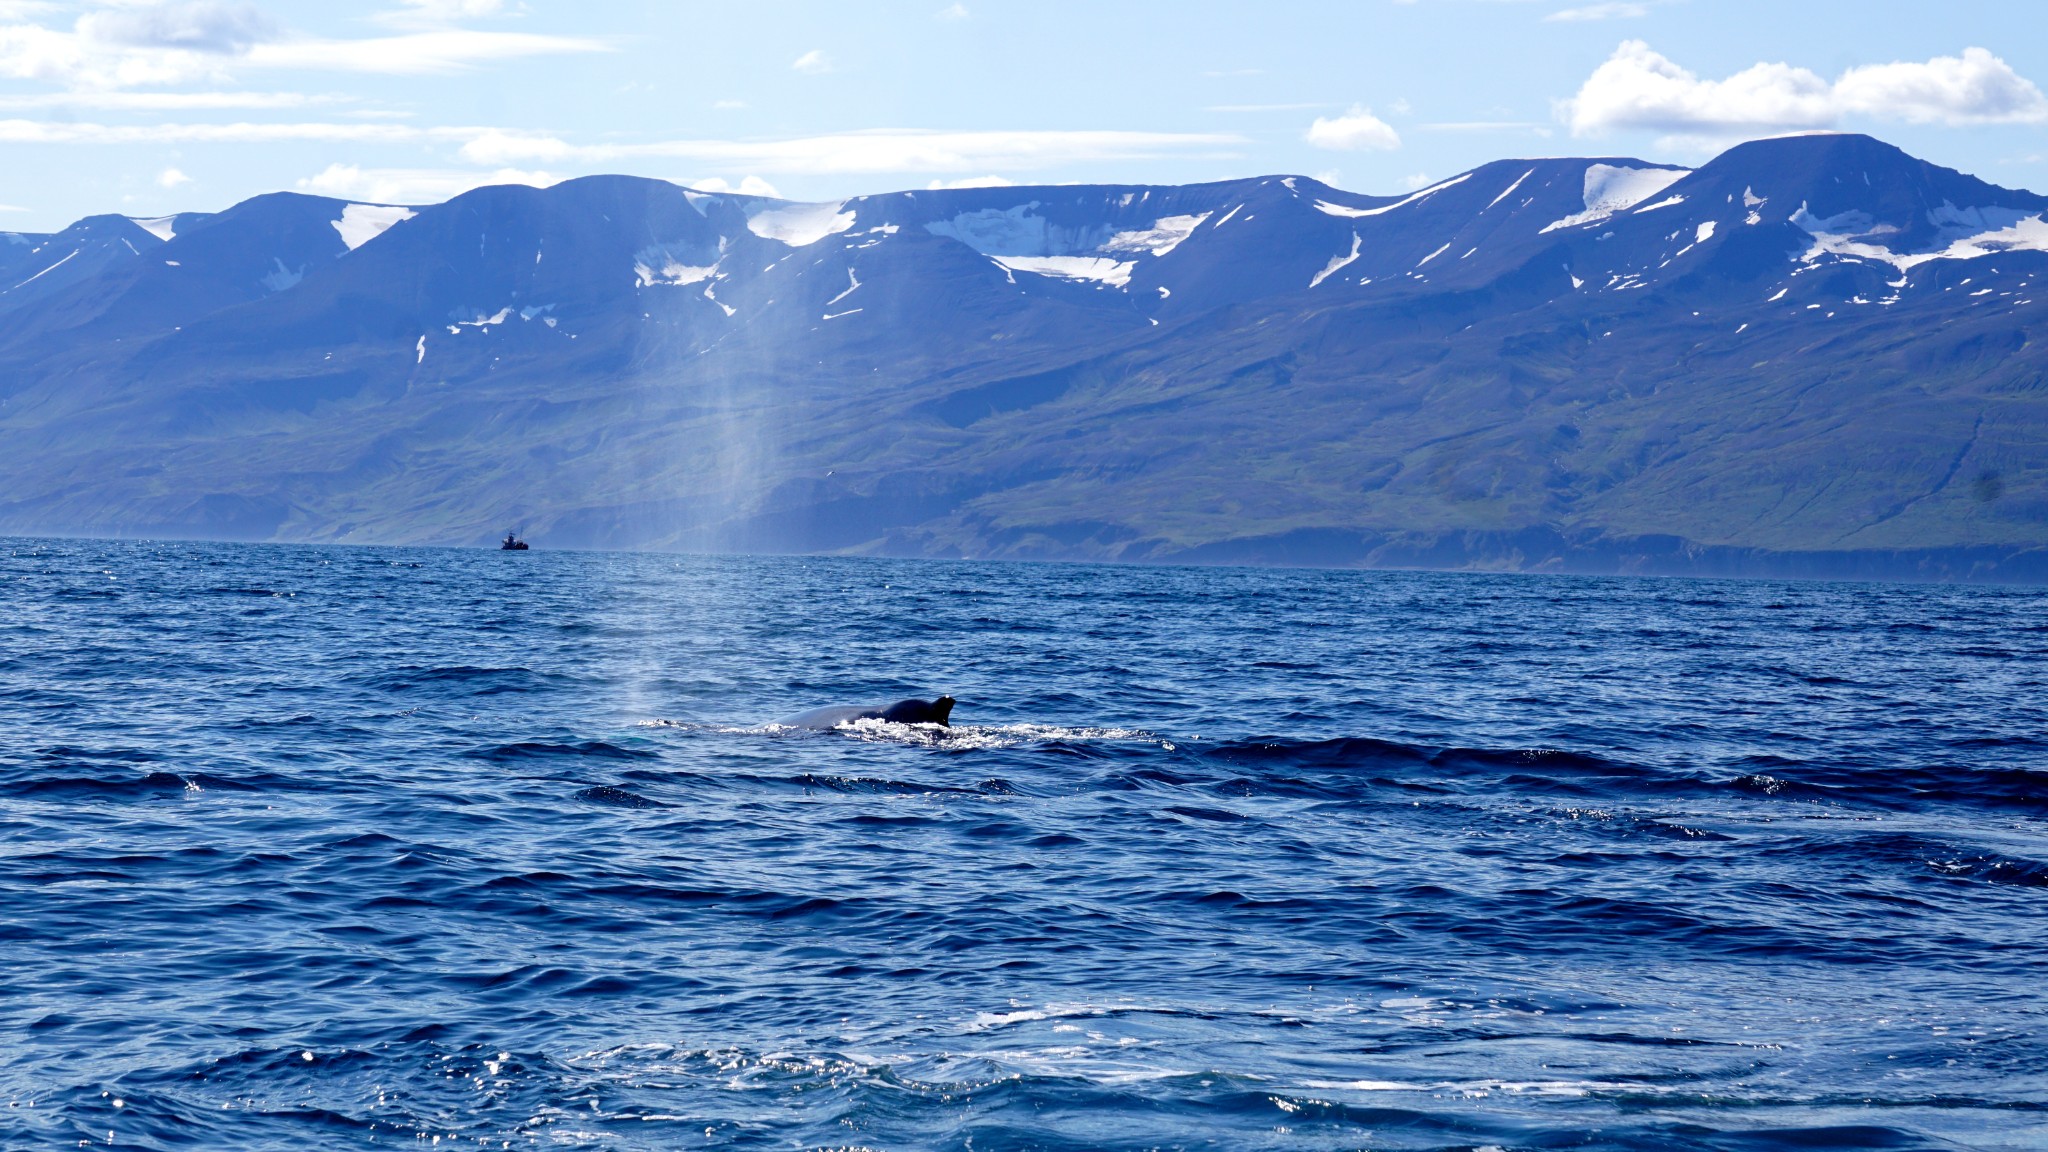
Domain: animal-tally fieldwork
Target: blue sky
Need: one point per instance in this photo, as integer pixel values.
(146, 108)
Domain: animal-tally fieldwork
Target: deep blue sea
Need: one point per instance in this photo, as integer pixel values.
(307, 847)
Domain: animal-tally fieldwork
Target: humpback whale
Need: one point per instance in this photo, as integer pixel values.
(901, 712)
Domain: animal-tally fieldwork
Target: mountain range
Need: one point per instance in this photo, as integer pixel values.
(1810, 355)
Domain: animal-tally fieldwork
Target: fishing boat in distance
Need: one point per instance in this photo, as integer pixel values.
(512, 543)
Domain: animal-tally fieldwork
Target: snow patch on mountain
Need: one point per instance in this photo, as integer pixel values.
(362, 223)
(483, 321)
(1164, 236)
(801, 225)
(2029, 234)
(852, 282)
(162, 227)
(1610, 188)
(1958, 223)
(654, 265)
(1505, 192)
(1114, 273)
(1340, 210)
(47, 271)
(1019, 231)
(1337, 263)
(282, 277)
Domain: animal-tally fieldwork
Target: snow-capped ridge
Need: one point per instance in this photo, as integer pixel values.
(164, 228)
(1327, 207)
(1612, 188)
(801, 225)
(1164, 236)
(361, 223)
(1114, 273)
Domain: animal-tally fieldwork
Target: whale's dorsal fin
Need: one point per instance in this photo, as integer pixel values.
(920, 711)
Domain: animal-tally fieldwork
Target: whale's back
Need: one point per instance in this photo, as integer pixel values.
(831, 717)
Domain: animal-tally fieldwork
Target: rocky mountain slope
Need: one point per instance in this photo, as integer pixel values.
(1811, 355)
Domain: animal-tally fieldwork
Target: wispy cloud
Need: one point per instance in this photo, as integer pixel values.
(411, 185)
(85, 132)
(141, 45)
(974, 182)
(899, 151)
(171, 178)
(814, 62)
(436, 13)
(1484, 126)
(1264, 107)
(206, 26)
(750, 186)
(951, 12)
(170, 101)
(448, 50)
(1591, 12)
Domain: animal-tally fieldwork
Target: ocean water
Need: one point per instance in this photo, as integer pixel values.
(313, 847)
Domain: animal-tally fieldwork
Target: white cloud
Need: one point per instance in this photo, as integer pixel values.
(973, 182)
(814, 62)
(207, 26)
(751, 186)
(1638, 88)
(432, 13)
(1485, 126)
(1415, 180)
(75, 59)
(1609, 11)
(170, 101)
(126, 45)
(171, 178)
(411, 185)
(11, 208)
(1264, 107)
(85, 132)
(728, 105)
(951, 12)
(416, 53)
(1356, 130)
(871, 152)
